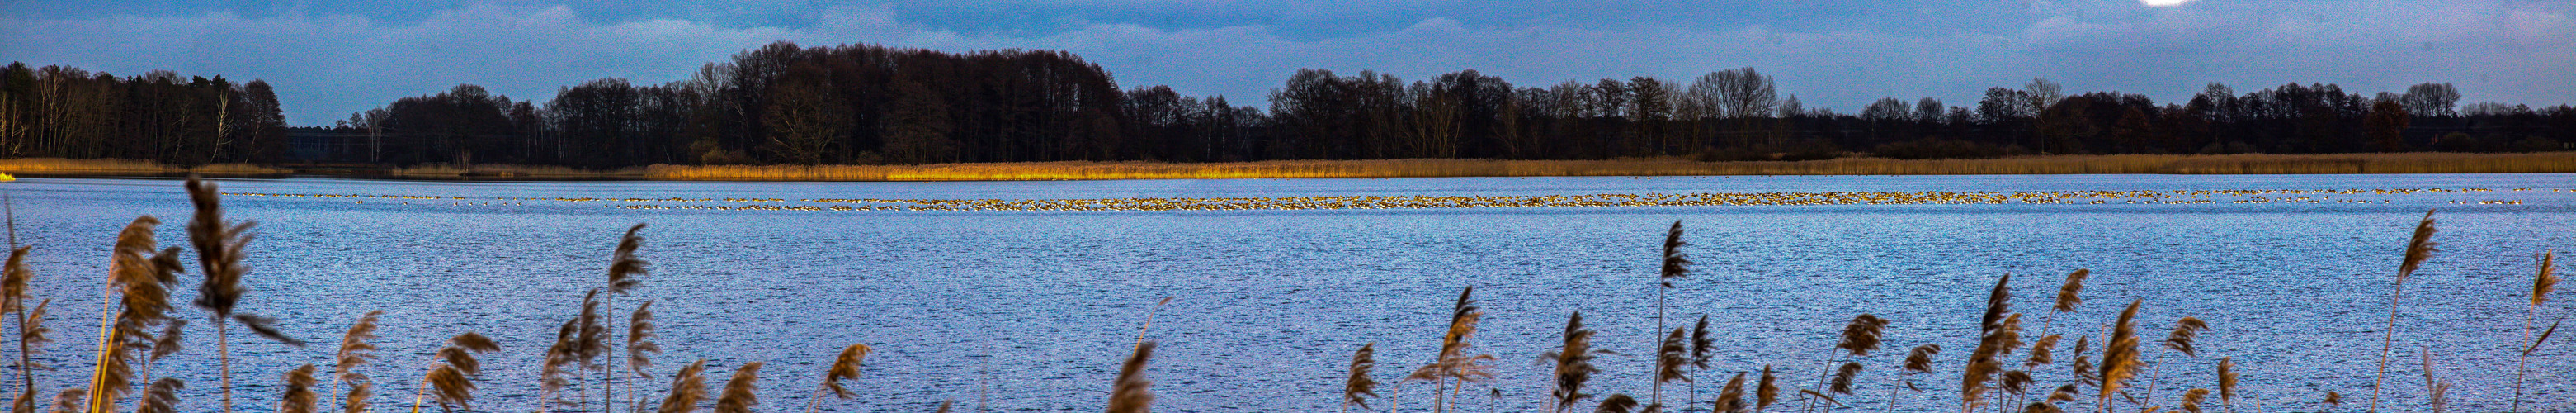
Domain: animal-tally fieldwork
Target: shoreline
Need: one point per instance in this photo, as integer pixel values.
(2363, 163)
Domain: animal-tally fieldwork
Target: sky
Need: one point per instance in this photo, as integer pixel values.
(328, 59)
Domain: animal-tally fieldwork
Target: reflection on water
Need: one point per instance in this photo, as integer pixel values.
(1027, 294)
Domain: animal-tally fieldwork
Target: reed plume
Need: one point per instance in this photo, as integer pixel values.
(1131, 393)
(1673, 358)
(453, 375)
(1767, 392)
(355, 352)
(2418, 248)
(1453, 363)
(2041, 351)
(1676, 265)
(14, 280)
(2436, 389)
(1862, 335)
(844, 367)
(590, 344)
(139, 275)
(943, 406)
(1573, 364)
(2069, 295)
(2179, 340)
(625, 272)
(739, 392)
(2040, 407)
(1359, 387)
(688, 386)
(2083, 364)
(2191, 399)
(31, 338)
(1843, 378)
(639, 346)
(2227, 382)
(299, 396)
(219, 246)
(69, 401)
(2120, 355)
(2544, 280)
(2334, 399)
(1702, 348)
(1616, 403)
(2064, 393)
(1730, 399)
(1995, 340)
(2016, 382)
(1918, 360)
(565, 351)
(162, 396)
(2184, 331)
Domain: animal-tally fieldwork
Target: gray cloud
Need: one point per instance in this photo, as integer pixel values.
(327, 64)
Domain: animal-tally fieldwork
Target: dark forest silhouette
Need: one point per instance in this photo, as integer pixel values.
(866, 104)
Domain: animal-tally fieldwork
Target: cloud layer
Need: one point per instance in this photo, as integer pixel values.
(327, 63)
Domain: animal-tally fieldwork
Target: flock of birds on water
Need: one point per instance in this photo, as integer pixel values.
(2144, 197)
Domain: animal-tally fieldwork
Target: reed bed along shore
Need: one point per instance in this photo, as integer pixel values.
(2114, 367)
(2460, 196)
(2371, 163)
(128, 167)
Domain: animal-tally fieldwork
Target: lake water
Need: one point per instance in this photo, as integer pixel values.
(1032, 310)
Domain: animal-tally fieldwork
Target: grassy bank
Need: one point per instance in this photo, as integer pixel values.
(2420, 162)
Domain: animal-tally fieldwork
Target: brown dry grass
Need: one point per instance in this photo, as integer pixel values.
(60, 166)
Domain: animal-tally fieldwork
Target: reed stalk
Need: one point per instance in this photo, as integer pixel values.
(1672, 361)
(14, 293)
(219, 246)
(1573, 364)
(2120, 354)
(452, 372)
(1730, 399)
(1359, 387)
(1985, 361)
(1131, 392)
(355, 352)
(1703, 347)
(688, 386)
(625, 272)
(299, 396)
(2179, 340)
(1453, 362)
(1766, 392)
(2436, 389)
(639, 342)
(1675, 265)
(740, 392)
(2227, 383)
(1918, 360)
(1861, 336)
(2543, 281)
(139, 276)
(844, 367)
(2418, 248)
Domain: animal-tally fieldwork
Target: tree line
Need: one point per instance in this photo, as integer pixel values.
(66, 112)
(865, 104)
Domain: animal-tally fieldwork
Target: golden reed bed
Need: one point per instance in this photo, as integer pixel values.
(2421, 162)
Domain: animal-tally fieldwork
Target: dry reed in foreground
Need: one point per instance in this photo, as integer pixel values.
(137, 299)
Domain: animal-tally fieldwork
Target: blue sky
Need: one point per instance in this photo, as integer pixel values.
(328, 59)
